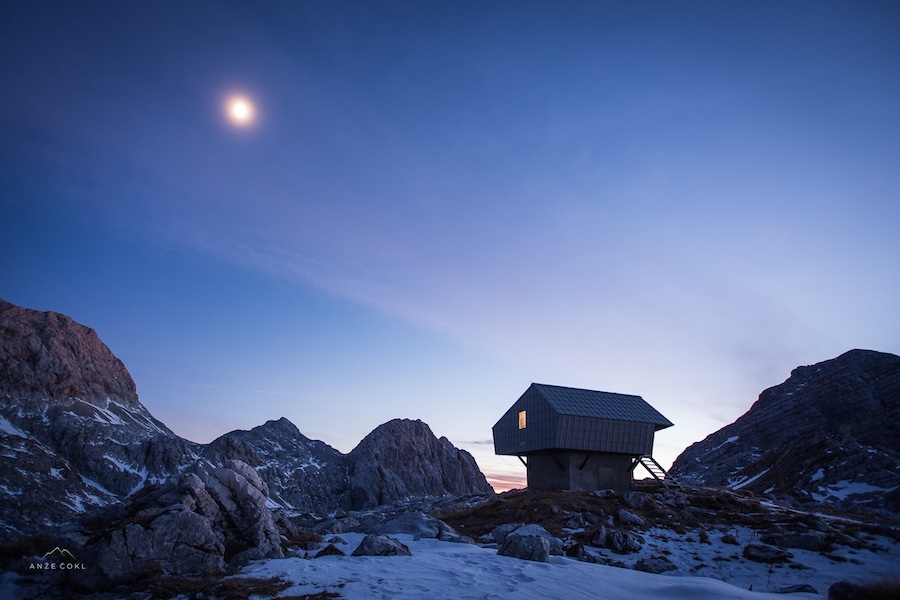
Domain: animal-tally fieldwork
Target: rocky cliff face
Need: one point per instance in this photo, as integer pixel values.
(403, 459)
(828, 434)
(301, 473)
(74, 436)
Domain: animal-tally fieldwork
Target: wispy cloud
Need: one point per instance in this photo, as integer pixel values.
(237, 389)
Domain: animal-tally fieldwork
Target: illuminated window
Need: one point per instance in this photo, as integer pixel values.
(521, 419)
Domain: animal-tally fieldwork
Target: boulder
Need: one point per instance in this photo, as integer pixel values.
(730, 539)
(241, 495)
(198, 525)
(618, 541)
(176, 542)
(636, 499)
(501, 532)
(763, 553)
(526, 547)
(338, 525)
(674, 499)
(330, 550)
(629, 518)
(656, 564)
(844, 590)
(417, 524)
(448, 534)
(381, 545)
(576, 521)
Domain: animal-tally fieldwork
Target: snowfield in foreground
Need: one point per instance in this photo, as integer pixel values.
(443, 570)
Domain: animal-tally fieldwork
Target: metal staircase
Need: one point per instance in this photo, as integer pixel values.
(656, 470)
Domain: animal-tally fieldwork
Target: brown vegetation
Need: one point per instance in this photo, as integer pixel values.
(231, 588)
(884, 589)
(694, 510)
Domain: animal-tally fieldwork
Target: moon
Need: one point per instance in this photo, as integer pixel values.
(240, 110)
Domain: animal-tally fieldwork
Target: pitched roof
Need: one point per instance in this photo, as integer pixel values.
(601, 405)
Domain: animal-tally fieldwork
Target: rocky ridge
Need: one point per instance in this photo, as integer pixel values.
(302, 474)
(430, 466)
(74, 437)
(827, 434)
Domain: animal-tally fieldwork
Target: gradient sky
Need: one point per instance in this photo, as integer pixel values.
(441, 202)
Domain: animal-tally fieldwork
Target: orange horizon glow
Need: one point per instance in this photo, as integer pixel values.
(504, 483)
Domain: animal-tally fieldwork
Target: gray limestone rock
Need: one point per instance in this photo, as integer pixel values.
(620, 542)
(636, 499)
(656, 564)
(417, 524)
(330, 550)
(764, 553)
(194, 526)
(381, 545)
(526, 547)
(402, 459)
(176, 542)
(629, 518)
(502, 532)
(448, 534)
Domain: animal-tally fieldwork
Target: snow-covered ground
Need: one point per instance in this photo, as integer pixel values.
(725, 562)
(443, 570)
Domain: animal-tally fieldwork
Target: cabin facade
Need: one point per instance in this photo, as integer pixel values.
(576, 439)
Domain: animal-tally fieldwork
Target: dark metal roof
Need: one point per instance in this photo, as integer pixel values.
(601, 405)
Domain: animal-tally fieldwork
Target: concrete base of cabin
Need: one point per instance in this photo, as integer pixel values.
(579, 471)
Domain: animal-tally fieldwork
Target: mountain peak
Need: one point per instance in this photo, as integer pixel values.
(789, 442)
(403, 459)
(49, 354)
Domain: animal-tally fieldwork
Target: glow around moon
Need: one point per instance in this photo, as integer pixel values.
(240, 111)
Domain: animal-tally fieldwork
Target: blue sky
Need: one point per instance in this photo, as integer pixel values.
(439, 203)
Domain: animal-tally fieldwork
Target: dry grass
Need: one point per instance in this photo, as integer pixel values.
(26, 547)
(883, 589)
(308, 540)
(231, 588)
(699, 509)
(549, 509)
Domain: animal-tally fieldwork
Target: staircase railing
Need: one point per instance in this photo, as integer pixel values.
(656, 471)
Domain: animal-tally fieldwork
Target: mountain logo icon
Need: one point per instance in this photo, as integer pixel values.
(61, 552)
(57, 559)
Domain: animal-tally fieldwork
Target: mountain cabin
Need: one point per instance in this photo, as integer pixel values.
(574, 439)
